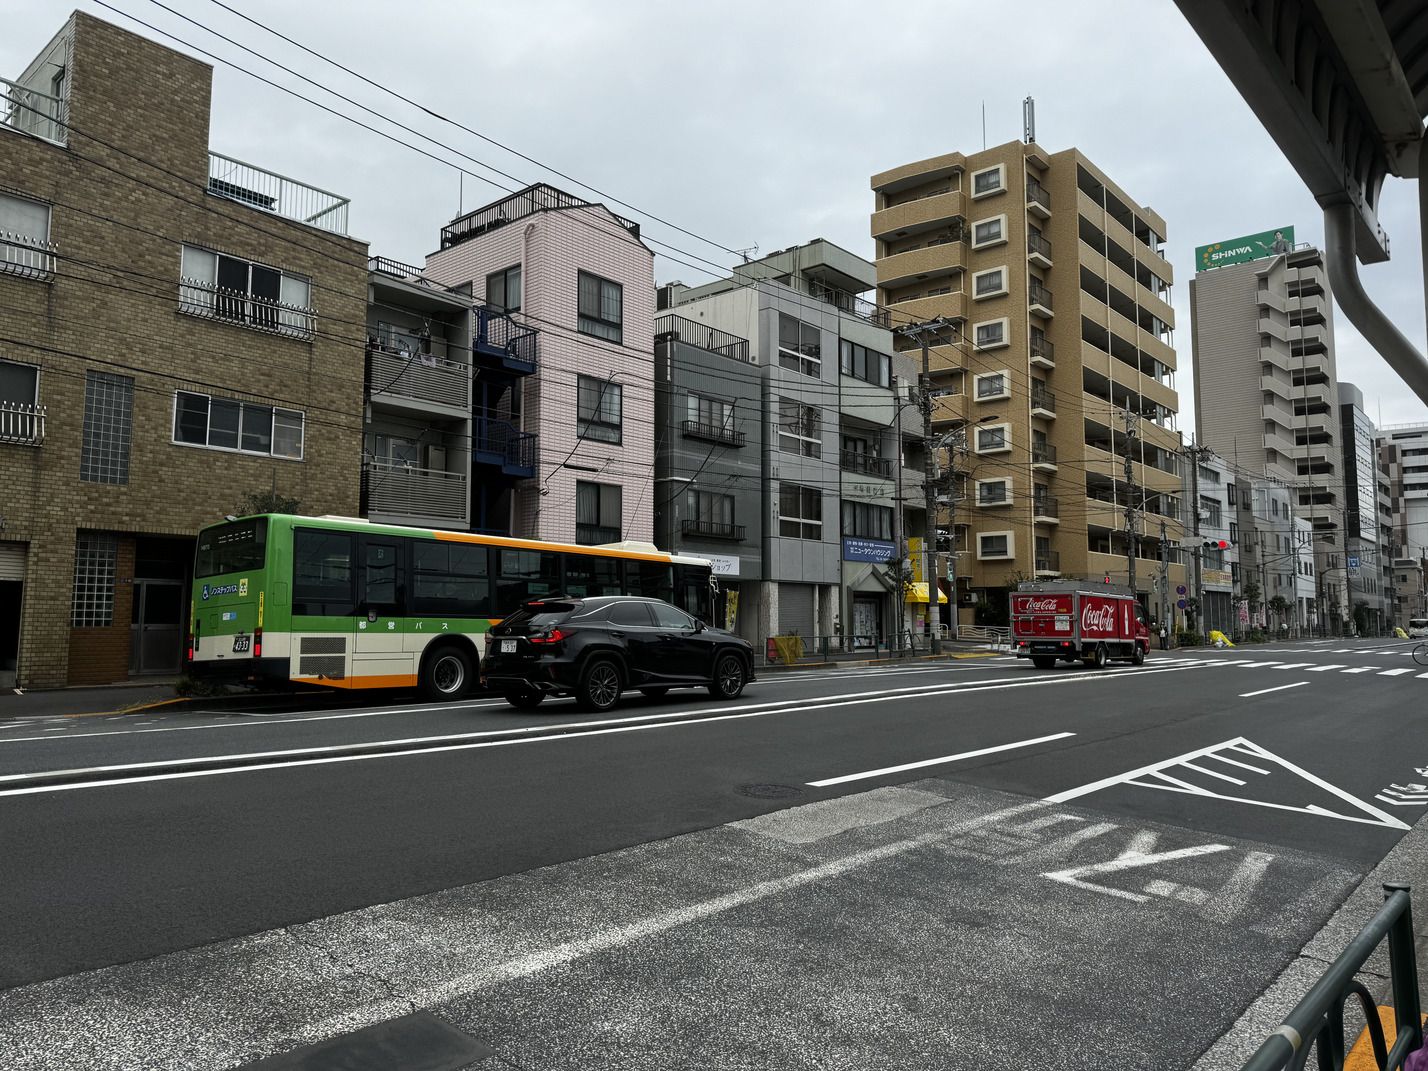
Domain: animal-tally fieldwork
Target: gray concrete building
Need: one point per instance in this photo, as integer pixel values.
(1403, 463)
(838, 447)
(1267, 394)
(1215, 571)
(1363, 553)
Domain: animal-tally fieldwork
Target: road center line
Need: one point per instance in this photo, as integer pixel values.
(934, 762)
(1266, 691)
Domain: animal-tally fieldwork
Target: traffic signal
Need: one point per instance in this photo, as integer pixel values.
(1216, 544)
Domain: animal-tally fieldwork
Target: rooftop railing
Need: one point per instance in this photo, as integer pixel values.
(527, 202)
(271, 192)
(703, 336)
(29, 111)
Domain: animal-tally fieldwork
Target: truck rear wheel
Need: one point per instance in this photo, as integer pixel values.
(1138, 658)
(1044, 661)
(1100, 657)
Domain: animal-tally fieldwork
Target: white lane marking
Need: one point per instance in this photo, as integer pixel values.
(1266, 691)
(1362, 669)
(1214, 773)
(845, 778)
(1239, 745)
(1234, 896)
(1394, 672)
(1294, 665)
(1257, 665)
(1137, 855)
(1325, 669)
(630, 725)
(1218, 757)
(1421, 677)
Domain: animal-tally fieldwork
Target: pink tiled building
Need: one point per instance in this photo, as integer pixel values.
(580, 276)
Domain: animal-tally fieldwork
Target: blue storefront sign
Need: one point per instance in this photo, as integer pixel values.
(866, 550)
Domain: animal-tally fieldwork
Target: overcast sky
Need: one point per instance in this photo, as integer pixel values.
(756, 123)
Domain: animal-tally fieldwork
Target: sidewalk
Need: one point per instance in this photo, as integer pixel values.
(951, 649)
(73, 702)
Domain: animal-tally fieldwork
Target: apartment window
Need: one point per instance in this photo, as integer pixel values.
(19, 384)
(1210, 507)
(799, 346)
(864, 520)
(989, 284)
(598, 408)
(991, 385)
(602, 307)
(800, 428)
(24, 237)
(992, 231)
(1230, 494)
(993, 492)
(994, 545)
(597, 512)
(800, 512)
(1234, 532)
(993, 438)
(223, 424)
(863, 363)
(711, 412)
(988, 181)
(991, 334)
(108, 428)
(503, 289)
(711, 510)
(92, 603)
(240, 291)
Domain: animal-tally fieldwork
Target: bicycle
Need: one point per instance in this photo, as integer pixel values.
(1420, 654)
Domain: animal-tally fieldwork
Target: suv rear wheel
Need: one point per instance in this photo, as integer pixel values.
(728, 682)
(446, 673)
(600, 685)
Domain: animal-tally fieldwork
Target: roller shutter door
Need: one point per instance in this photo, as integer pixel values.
(795, 610)
(12, 561)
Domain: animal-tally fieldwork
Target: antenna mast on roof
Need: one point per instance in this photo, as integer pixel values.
(1028, 119)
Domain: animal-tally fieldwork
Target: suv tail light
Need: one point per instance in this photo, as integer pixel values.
(553, 636)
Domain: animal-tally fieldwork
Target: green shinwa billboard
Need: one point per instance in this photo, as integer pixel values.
(1240, 250)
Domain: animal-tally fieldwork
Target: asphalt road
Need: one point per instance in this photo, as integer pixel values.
(866, 868)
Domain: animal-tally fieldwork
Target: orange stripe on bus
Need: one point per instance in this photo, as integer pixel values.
(527, 544)
(375, 680)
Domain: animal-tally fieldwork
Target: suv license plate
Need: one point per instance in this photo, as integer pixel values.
(508, 646)
(242, 644)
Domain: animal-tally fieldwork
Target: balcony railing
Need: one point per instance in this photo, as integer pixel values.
(712, 433)
(519, 205)
(395, 268)
(31, 112)
(422, 377)
(1038, 245)
(849, 303)
(25, 256)
(1042, 399)
(22, 423)
(271, 192)
(500, 335)
(712, 529)
(406, 491)
(595, 534)
(1036, 194)
(1043, 348)
(1039, 295)
(1048, 561)
(703, 336)
(870, 464)
(198, 298)
(1045, 506)
(499, 442)
(1043, 454)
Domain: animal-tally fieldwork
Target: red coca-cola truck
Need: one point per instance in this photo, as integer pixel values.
(1078, 621)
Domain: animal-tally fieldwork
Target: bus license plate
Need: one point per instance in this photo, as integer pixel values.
(508, 646)
(242, 644)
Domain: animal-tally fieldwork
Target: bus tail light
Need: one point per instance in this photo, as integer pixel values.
(192, 637)
(258, 642)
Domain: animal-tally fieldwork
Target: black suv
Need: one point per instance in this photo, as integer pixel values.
(596, 648)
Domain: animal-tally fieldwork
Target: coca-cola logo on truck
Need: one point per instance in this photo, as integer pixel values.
(1041, 606)
(1098, 618)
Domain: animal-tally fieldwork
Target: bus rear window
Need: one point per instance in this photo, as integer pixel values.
(232, 548)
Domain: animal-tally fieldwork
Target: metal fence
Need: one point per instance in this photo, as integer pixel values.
(271, 192)
(1316, 1024)
(32, 112)
(22, 255)
(22, 423)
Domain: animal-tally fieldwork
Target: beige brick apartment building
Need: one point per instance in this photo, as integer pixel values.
(172, 338)
(1059, 287)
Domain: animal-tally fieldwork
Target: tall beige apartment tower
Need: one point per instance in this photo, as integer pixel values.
(1056, 284)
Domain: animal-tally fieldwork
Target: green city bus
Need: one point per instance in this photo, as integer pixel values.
(343, 603)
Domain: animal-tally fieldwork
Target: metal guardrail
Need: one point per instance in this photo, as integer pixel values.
(993, 634)
(31, 112)
(267, 190)
(1316, 1023)
(421, 377)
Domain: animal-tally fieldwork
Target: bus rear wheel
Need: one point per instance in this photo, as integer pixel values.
(446, 674)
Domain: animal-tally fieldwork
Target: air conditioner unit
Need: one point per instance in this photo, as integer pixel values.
(436, 458)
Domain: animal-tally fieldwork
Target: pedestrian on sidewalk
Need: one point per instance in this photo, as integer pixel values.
(1162, 635)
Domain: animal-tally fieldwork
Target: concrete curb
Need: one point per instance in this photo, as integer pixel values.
(1406, 862)
(907, 660)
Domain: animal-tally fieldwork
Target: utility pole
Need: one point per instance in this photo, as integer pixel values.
(1197, 551)
(922, 332)
(1132, 508)
(899, 550)
(1164, 580)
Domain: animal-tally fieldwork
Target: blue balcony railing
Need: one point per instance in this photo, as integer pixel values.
(499, 442)
(500, 337)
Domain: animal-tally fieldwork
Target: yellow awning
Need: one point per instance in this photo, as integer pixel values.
(918, 593)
